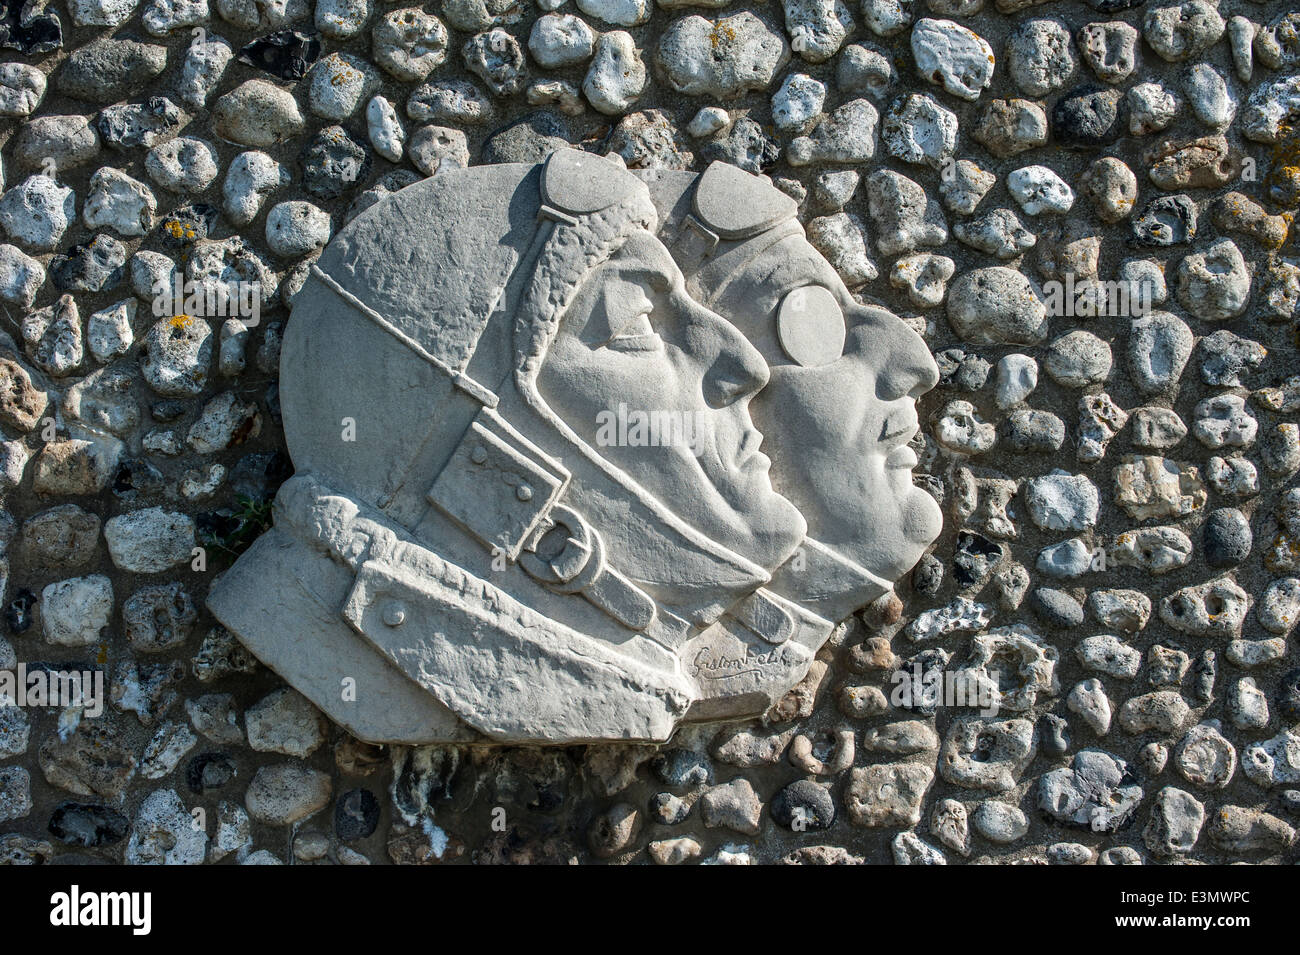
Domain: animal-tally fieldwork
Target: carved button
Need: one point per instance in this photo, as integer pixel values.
(524, 492)
(395, 613)
(479, 454)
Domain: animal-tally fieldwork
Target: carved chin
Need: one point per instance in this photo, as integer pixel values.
(891, 551)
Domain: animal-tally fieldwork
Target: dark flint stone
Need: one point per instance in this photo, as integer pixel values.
(82, 824)
(287, 54)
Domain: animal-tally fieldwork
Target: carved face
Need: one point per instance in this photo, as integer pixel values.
(840, 407)
(660, 386)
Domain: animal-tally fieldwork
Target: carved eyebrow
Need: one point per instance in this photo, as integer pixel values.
(658, 278)
(806, 280)
(797, 270)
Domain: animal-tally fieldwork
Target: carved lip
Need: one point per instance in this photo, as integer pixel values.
(896, 436)
(899, 429)
(748, 454)
(901, 457)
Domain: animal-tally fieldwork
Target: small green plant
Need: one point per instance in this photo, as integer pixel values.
(231, 531)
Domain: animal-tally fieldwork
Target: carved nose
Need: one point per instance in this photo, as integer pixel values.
(909, 368)
(737, 370)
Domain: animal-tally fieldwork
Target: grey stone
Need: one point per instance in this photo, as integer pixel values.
(257, 113)
(52, 337)
(1151, 108)
(847, 135)
(1175, 822)
(863, 70)
(95, 266)
(1008, 127)
(1208, 94)
(905, 219)
(15, 793)
(202, 70)
(285, 722)
(450, 101)
(998, 233)
(1215, 608)
(1034, 431)
(887, 794)
(250, 178)
(128, 125)
(1159, 346)
(616, 76)
(987, 754)
(797, 102)
(110, 69)
(409, 44)
(496, 58)
(1040, 57)
(1110, 49)
(22, 87)
(733, 806)
(1227, 537)
(723, 59)
(1180, 32)
(1166, 221)
(918, 130)
(999, 822)
(1205, 758)
(1097, 792)
(560, 40)
(1056, 608)
(817, 28)
(150, 540)
(1089, 118)
(1106, 653)
(1112, 188)
(75, 611)
(262, 15)
(68, 141)
(1061, 501)
(36, 212)
(1078, 359)
(1214, 284)
(296, 228)
(952, 55)
(21, 276)
(968, 184)
(333, 162)
(340, 84)
(283, 794)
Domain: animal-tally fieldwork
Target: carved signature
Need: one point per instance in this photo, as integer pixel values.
(723, 667)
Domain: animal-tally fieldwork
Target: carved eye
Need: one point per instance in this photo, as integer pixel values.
(636, 335)
(810, 325)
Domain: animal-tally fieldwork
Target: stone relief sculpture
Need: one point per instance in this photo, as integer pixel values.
(477, 547)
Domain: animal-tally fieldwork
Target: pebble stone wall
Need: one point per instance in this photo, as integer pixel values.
(1085, 208)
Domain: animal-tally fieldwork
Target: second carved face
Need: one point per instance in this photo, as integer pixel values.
(838, 413)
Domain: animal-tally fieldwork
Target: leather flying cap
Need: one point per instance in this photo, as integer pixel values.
(734, 216)
(576, 184)
(735, 205)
